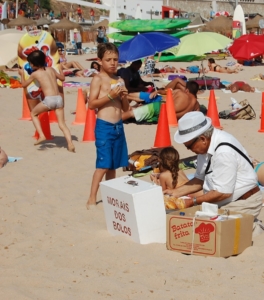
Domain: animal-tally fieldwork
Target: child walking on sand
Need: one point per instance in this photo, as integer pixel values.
(47, 79)
(109, 95)
(170, 176)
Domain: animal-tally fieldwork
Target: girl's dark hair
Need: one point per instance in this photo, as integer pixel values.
(37, 58)
(95, 63)
(104, 47)
(169, 160)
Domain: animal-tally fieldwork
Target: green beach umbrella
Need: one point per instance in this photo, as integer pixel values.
(200, 43)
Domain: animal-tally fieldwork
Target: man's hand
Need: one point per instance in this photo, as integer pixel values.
(153, 94)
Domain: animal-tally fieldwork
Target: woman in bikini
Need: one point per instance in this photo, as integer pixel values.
(217, 68)
(68, 65)
(240, 86)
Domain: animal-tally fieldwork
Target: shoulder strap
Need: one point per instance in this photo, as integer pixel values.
(235, 148)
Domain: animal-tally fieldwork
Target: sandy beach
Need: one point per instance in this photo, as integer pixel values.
(51, 247)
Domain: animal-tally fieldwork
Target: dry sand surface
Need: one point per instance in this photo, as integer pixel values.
(51, 247)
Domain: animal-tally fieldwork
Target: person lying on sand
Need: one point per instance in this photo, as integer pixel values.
(66, 65)
(193, 69)
(217, 68)
(3, 158)
(240, 86)
(184, 101)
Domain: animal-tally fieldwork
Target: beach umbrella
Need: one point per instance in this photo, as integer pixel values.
(21, 21)
(66, 24)
(219, 24)
(254, 23)
(145, 44)
(11, 35)
(103, 23)
(8, 54)
(247, 47)
(43, 21)
(200, 43)
(222, 13)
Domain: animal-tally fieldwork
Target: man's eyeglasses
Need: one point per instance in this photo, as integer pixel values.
(189, 147)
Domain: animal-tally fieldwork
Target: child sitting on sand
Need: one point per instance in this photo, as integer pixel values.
(109, 95)
(47, 79)
(170, 176)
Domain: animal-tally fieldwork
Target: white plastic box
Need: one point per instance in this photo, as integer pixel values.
(135, 211)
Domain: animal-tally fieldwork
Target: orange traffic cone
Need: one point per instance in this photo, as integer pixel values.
(52, 117)
(88, 135)
(162, 138)
(212, 111)
(45, 125)
(80, 115)
(171, 111)
(262, 115)
(25, 109)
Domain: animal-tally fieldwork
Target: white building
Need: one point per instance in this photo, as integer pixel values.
(148, 8)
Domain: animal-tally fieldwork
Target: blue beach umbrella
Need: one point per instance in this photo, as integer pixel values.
(145, 44)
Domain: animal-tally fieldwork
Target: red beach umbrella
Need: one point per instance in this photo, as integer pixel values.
(222, 13)
(247, 47)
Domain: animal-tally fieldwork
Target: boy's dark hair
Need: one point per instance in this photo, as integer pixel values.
(193, 87)
(211, 60)
(37, 58)
(104, 47)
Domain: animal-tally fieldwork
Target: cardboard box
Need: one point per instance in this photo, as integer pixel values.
(208, 237)
(136, 211)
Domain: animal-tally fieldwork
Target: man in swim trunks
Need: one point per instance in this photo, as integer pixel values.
(240, 86)
(132, 78)
(184, 101)
(217, 68)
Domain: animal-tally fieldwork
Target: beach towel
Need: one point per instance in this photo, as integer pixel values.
(13, 159)
(75, 84)
(9, 81)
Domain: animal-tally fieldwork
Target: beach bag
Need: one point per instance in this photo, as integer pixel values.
(171, 77)
(246, 112)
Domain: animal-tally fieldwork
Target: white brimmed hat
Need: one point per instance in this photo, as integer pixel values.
(45, 26)
(191, 125)
(75, 30)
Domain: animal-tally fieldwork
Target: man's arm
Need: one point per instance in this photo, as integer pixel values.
(59, 75)
(192, 186)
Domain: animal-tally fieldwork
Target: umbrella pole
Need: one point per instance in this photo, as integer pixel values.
(153, 81)
(203, 75)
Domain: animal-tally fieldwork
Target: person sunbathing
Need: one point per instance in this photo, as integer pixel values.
(95, 69)
(240, 86)
(217, 68)
(184, 101)
(66, 65)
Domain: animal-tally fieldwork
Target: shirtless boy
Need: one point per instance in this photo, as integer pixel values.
(47, 79)
(109, 95)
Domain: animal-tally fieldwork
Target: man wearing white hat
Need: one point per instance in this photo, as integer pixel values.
(224, 170)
